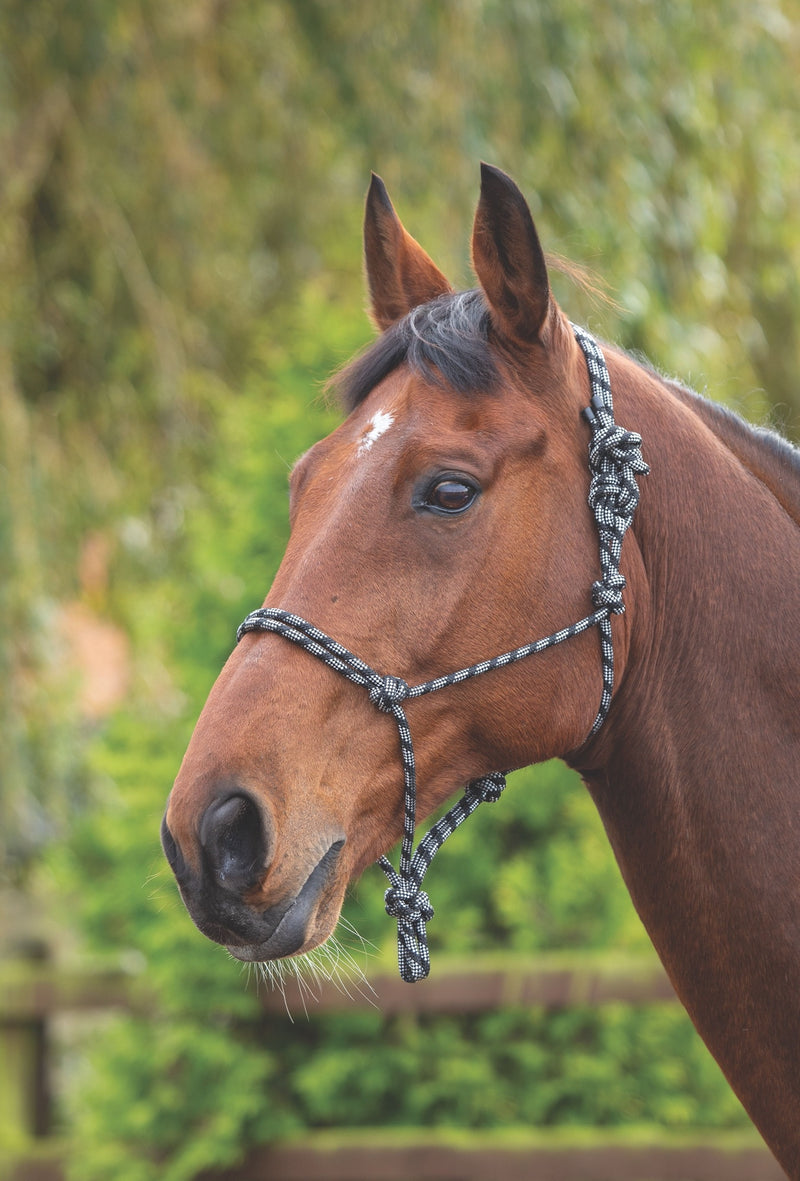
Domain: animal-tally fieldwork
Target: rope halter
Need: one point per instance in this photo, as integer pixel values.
(615, 460)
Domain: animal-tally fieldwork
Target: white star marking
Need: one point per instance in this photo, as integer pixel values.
(379, 426)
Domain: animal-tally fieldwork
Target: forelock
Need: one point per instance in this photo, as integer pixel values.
(446, 340)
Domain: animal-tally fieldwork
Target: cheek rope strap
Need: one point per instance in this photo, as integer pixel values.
(615, 460)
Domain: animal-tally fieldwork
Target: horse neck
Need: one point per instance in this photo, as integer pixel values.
(707, 700)
(695, 776)
(715, 596)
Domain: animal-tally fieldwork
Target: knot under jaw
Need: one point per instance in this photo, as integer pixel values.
(608, 593)
(388, 692)
(488, 788)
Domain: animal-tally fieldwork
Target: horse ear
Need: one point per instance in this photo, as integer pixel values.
(400, 274)
(508, 258)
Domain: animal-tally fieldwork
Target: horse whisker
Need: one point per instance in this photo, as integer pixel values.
(331, 963)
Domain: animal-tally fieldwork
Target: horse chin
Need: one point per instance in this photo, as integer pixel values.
(308, 921)
(277, 949)
(288, 940)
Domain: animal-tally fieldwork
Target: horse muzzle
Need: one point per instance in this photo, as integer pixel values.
(223, 893)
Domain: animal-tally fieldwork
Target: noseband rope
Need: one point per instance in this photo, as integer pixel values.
(615, 460)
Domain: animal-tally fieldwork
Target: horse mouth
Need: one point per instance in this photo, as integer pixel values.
(287, 926)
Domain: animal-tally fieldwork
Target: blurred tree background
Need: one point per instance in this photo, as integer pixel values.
(181, 195)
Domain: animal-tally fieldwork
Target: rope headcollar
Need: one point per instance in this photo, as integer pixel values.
(615, 460)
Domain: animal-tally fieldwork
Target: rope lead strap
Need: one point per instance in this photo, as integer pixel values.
(614, 462)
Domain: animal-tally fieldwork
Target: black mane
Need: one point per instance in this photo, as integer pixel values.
(719, 416)
(770, 457)
(446, 340)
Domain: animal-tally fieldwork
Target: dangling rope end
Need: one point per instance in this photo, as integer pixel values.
(412, 908)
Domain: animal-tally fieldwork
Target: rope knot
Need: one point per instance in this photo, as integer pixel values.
(406, 903)
(615, 461)
(614, 443)
(387, 692)
(488, 788)
(608, 593)
(608, 494)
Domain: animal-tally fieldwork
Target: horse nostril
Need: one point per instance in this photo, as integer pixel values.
(171, 850)
(234, 841)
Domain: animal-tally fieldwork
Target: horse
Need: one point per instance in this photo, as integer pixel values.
(448, 519)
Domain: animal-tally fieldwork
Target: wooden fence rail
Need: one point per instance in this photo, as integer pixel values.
(32, 996)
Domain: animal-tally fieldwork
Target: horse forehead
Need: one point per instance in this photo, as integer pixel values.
(409, 406)
(407, 411)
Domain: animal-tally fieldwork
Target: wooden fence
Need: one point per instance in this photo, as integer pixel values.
(32, 996)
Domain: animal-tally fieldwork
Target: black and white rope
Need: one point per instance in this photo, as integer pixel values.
(614, 461)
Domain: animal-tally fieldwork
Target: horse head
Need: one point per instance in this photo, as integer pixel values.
(444, 521)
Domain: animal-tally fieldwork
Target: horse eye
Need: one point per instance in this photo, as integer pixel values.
(451, 496)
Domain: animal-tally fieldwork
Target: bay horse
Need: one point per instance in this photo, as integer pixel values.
(446, 520)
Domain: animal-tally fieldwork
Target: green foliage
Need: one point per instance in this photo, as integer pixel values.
(576, 1067)
(165, 1124)
(179, 229)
